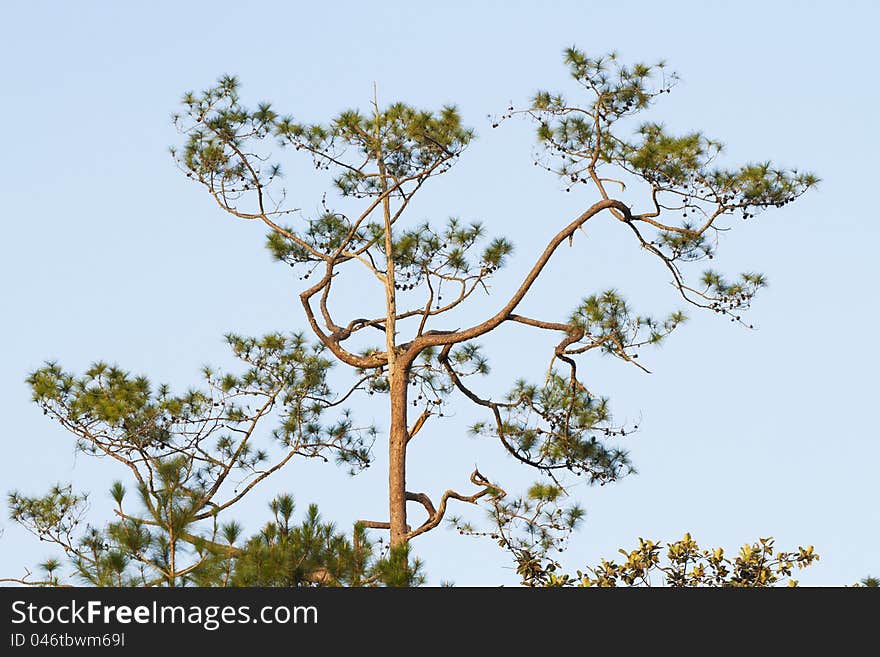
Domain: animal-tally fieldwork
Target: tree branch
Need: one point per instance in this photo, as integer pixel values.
(502, 315)
(435, 517)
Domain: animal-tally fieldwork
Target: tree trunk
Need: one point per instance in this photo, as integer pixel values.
(397, 455)
(398, 368)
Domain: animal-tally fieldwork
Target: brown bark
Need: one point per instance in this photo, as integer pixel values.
(398, 371)
(397, 440)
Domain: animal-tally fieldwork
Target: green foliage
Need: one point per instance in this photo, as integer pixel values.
(312, 553)
(225, 126)
(585, 136)
(181, 451)
(397, 569)
(558, 425)
(115, 414)
(607, 323)
(686, 565)
(445, 252)
(583, 141)
(55, 514)
(532, 524)
(131, 552)
(412, 143)
(406, 143)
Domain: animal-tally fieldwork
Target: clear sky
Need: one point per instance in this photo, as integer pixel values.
(109, 253)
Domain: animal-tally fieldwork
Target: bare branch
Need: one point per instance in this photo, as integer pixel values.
(502, 315)
(436, 517)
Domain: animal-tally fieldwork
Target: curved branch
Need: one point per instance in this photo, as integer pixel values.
(332, 341)
(502, 315)
(424, 500)
(436, 516)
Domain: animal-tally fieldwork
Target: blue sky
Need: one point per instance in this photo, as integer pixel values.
(109, 253)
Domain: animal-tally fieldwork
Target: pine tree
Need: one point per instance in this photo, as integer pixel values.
(191, 457)
(665, 190)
